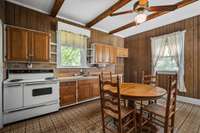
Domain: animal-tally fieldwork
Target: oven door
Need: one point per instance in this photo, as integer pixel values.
(40, 93)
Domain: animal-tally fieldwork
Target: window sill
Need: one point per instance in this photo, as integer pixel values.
(167, 72)
(78, 67)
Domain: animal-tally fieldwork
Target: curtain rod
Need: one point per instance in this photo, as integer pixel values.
(168, 34)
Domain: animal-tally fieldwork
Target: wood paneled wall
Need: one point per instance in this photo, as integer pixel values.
(140, 53)
(24, 17)
(2, 10)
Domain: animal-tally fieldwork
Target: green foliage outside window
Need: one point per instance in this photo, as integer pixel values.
(70, 56)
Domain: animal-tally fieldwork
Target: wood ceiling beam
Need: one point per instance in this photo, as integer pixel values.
(56, 7)
(152, 16)
(108, 12)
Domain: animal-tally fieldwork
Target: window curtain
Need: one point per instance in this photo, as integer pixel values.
(175, 43)
(73, 40)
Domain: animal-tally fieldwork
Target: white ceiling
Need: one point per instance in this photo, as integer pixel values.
(44, 6)
(83, 11)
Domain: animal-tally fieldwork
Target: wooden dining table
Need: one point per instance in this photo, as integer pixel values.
(140, 92)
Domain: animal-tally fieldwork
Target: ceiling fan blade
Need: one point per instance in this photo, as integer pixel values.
(121, 13)
(143, 2)
(162, 8)
(154, 15)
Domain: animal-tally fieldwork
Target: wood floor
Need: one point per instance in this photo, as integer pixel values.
(86, 118)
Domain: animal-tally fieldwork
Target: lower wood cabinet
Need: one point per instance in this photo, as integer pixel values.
(84, 90)
(76, 91)
(67, 93)
(88, 89)
(95, 88)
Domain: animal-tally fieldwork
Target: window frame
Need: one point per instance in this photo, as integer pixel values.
(58, 62)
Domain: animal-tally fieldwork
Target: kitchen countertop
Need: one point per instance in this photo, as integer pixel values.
(74, 78)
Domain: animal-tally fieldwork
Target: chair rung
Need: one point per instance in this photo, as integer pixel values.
(128, 123)
(110, 130)
(130, 130)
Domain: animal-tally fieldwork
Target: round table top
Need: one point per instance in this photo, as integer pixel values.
(139, 91)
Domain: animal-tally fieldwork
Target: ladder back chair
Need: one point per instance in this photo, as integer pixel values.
(106, 76)
(150, 80)
(124, 118)
(166, 113)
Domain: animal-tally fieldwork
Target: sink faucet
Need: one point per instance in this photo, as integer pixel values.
(82, 71)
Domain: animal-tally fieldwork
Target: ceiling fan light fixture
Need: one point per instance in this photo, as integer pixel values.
(140, 18)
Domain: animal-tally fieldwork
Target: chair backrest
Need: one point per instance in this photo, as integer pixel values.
(150, 79)
(171, 95)
(106, 76)
(110, 100)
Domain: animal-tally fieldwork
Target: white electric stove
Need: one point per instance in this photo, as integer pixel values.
(29, 93)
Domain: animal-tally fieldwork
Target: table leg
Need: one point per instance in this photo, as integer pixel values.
(140, 119)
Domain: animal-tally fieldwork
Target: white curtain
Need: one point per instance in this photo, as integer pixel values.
(175, 43)
(75, 41)
(157, 51)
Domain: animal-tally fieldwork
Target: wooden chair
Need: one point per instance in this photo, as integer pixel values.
(106, 76)
(150, 80)
(167, 113)
(123, 117)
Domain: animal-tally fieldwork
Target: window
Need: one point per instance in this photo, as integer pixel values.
(72, 49)
(166, 62)
(70, 56)
(168, 55)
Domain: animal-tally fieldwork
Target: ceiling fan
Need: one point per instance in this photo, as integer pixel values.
(143, 5)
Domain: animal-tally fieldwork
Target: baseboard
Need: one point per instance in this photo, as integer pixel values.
(189, 100)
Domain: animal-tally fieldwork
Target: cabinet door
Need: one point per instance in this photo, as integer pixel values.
(17, 44)
(95, 87)
(67, 93)
(99, 53)
(113, 55)
(122, 52)
(106, 54)
(84, 90)
(40, 46)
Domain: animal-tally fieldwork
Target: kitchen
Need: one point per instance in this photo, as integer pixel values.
(52, 57)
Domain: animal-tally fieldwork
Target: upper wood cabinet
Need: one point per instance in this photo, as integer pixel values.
(27, 45)
(122, 52)
(106, 54)
(17, 44)
(113, 55)
(40, 46)
(99, 53)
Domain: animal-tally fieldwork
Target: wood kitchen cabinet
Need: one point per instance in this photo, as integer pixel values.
(95, 87)
(122, 52)
(105, 54)
(40, 46)
(88, 89)
(26, 45)
(17, 44)
(67, 93)
(99, 53)
(113, 55)
(84, 90)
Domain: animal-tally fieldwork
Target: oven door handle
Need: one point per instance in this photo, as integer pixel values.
(13, 85)
(39, 83)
